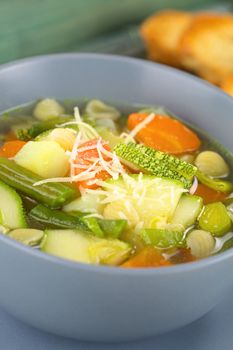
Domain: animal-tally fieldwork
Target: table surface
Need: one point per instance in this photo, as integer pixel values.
(214, 331)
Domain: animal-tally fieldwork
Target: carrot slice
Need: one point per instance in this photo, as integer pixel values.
(87, 158)
(209, 195)
(10, 136)
(182, 256)
(148, 257)
(11, 148)
(164, 134)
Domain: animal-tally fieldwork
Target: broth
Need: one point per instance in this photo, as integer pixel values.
(113, 184)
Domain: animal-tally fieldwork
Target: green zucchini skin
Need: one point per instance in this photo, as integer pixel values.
(156, 163)
(78, 246)
(55, 195)
(11, 208)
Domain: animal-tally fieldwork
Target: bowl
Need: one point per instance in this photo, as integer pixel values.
(98, 303)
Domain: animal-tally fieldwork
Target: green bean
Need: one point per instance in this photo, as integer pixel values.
(57, 218)
(60, 219)
(52, 194)
(215, 184)
(26, 134)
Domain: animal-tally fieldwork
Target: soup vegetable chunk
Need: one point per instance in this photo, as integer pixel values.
(100, 186)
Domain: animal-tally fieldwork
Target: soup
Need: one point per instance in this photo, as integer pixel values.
(125, 187)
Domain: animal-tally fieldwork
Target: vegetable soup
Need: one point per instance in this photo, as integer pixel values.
(127, 187)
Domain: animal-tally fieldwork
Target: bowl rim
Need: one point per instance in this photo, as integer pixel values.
(180, 268)
(111, 57)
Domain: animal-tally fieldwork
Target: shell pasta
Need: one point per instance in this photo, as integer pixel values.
(201, 243)
(129, 187)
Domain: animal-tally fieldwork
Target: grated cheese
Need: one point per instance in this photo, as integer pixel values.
(194, 186)
(87, 132)
(94, 215)
(139, 226)
(91, 182)
(85, 175)
(140, 126)
(122, 215)
(87, 148)
(127, 137)
(96, 192)
(104, 163)
(80, 166)
(74, 153)
(112, 165)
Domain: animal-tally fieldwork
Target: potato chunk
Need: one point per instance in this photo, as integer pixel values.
(45, 158)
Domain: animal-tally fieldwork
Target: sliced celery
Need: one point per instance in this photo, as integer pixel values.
(215, 219)
(163, 238)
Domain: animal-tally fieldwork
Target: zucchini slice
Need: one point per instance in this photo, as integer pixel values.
(156, 163)
(11, 208)
(81, 247)
(142, 199)
(187, 210)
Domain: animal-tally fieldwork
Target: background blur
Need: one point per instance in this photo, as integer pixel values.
(32, 27)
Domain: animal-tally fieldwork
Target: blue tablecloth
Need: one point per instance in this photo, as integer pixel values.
(212, 332)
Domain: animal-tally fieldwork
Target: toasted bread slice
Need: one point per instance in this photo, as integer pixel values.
(227, 85)
(161, 33)
(206, 46)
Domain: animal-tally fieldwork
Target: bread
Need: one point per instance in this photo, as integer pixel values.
(161, 34)
(227, 84)
(206, 46)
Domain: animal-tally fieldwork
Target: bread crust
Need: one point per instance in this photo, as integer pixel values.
(206, 46)
(227, 85)
(161, 33)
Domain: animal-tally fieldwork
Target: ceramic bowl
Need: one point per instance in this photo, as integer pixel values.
(98, 303)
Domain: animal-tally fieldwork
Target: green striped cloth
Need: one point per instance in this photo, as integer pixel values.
(31, 27)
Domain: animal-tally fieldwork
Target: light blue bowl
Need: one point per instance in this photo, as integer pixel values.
(99, 303)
